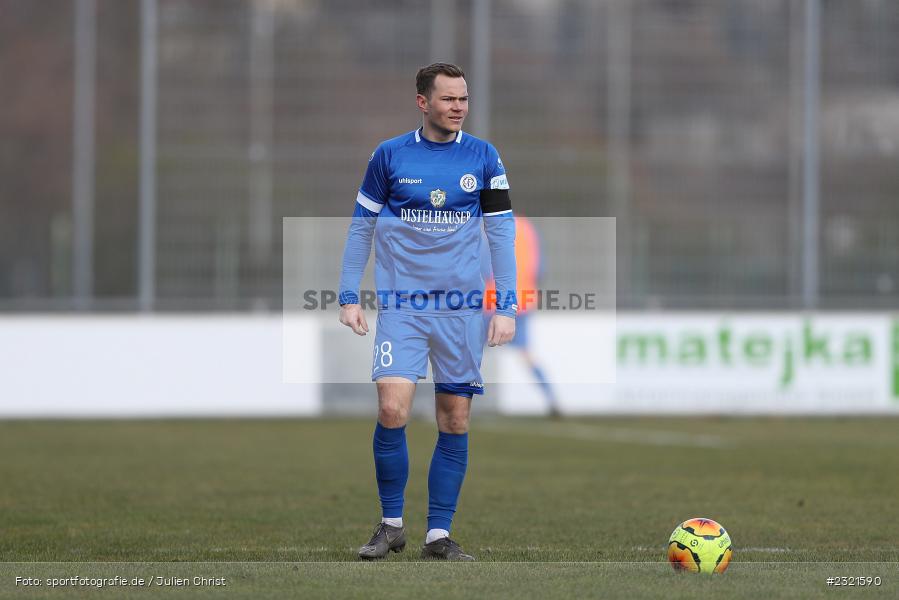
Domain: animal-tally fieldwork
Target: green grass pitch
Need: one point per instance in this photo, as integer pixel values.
(575, 508)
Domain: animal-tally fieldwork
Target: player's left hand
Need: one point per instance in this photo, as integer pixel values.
(500, 330)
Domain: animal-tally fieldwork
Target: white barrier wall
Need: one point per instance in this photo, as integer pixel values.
(728, 364)
(669, 363)
(149, 366)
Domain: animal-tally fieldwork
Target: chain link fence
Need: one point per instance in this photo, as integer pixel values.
(681, 118)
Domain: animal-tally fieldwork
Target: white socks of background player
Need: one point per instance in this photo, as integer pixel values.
(393, 521)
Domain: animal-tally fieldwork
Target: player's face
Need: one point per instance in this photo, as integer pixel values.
(447, 106)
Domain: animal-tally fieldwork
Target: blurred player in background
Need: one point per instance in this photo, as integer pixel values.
(529, 267)
(422, 200)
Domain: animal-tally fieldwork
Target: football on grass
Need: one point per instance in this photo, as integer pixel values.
(699, 546)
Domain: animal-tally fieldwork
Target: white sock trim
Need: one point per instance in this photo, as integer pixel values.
(436, 534)
(393, 521)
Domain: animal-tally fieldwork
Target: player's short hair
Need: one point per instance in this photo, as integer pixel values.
(424, 79)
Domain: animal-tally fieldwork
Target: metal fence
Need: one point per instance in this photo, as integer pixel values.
(211, 120)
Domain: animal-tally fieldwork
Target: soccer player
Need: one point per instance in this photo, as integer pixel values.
(423, 201)
(529, 268)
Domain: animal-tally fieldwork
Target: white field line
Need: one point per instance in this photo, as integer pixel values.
(736, 550)
(324, 549)
(602, 433)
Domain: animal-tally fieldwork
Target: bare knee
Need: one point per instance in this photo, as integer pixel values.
(394, 402)
(392, 414)
(454, 423)
(453, 413)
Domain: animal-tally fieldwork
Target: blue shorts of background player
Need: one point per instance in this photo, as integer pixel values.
(454, 343)
(522, 337)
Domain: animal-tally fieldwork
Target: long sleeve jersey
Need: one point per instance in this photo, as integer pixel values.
(423, 204)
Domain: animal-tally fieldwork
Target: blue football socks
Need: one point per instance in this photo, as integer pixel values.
(543, 382)
(391, 468)
(445, 478)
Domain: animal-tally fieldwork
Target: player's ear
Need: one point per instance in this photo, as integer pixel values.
(422, 102)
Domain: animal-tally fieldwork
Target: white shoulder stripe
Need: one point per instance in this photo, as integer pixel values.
(493, 214)
(368, 203)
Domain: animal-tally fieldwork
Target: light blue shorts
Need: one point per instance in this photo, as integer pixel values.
(454, 343)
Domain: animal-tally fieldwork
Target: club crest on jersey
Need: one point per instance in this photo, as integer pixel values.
(468, 182)
(438, 198)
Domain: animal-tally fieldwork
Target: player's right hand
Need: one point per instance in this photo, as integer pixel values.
(353, 317)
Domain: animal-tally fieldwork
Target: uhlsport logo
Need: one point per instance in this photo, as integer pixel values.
(438, 198)
(468, 182)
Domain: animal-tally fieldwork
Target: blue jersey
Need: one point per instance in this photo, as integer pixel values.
(422, 203)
